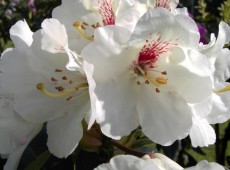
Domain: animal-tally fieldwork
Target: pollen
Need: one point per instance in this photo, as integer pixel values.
(161, 80)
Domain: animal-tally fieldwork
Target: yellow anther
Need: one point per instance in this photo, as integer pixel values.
(161, 80)
(78, 25)
(227, 88)
(41, 88)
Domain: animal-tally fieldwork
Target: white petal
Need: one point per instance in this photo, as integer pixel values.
(202, 134)
(222, 65)
(166, 24)
(188, 78)
(222, 39)
(65, 132)
(54, 37)
(164, 163)
(128, 17)
(113, 114)
(14, 131)
(20, 33)
(204, 165)
(128, 162)
(14, 159)
(203, 108)
(220, 110)
(164, 117)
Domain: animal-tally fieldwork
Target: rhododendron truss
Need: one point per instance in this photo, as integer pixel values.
(102, 70)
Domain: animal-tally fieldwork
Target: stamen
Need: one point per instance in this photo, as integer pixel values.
(227, 88)
(78, 25)
(41, 88)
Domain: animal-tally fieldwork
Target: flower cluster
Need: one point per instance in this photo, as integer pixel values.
(122, 64)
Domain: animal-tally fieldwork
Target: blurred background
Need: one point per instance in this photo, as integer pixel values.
(207, 14)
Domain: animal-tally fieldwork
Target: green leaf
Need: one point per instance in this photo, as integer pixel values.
(39, 161)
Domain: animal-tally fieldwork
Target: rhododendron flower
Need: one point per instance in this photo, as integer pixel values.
(149, 77)
(44, 89)
(157, 162)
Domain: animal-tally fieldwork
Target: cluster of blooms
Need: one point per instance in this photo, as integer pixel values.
(120, 63)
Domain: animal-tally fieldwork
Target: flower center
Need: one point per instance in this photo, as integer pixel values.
(145, 67)
(64, 85)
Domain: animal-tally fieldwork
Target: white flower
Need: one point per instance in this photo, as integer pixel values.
(44, 89)
(157, 162)
(147, 78)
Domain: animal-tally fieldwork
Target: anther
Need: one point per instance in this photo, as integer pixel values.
(53, 79)
(164, 72)
(161, 80)
(59, 88)
(157, 90)
(146, 82)
(64, 78)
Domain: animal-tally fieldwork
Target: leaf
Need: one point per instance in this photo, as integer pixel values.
(39, 161)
